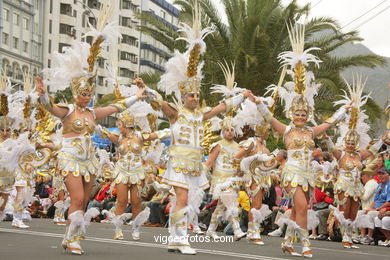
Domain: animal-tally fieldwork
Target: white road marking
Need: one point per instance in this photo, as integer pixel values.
(206, 251)
(142, 244)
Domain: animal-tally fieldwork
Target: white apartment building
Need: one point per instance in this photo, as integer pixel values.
(153, 53)
(66, 20)
(21, 37)
(32, 31)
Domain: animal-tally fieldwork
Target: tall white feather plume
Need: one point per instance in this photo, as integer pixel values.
(176, 67)
(108, 30)
(67, 65)
(5, 83)
(355, 95)
(290, 59)
(176, 71)
(230, 89)
(195, 34)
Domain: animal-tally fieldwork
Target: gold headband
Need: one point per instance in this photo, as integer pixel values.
(300, 103)
(192, 85)
(82, 84)
(353, 137)
(126, 118)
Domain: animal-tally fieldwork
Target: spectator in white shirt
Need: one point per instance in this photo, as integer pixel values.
(370, 187)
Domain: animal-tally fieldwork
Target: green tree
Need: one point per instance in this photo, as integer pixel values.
(255, 34)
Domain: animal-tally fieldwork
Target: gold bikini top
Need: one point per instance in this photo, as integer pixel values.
(79, 125)
(130, 144)
(348, 162)
(297, 138)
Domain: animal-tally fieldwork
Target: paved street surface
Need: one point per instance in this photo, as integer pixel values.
(43, 239)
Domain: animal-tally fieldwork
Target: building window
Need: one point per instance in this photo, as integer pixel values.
(48, 63)
(16, 19)
(129, 56)
(36, 27)
(126, 73)
(67, 29)
(26, 23)
(25, 46)
(127, 22)
(66, 9)
(89, 40)
(100, 62)
(100, 80)
(51, 6)
(92, 21)
(129, 40)
(5, 38)
(36, 50)
(49, 46)
(162, 14)
(127, 4)
(50, 26)
(36, 4)
(94, 4)
(61, 46)
(154, 57)
(6, 14)
(16, 43)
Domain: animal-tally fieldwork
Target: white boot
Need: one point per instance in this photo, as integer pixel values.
(59, 218)
(139, 220)
(253, 234)
(213, 227)
(74, 234)
(306, 246)
(118, 221)
(238, 234)
(349, 232)
(178, 233)
(18, 220)
(287, 243)
(196, 229)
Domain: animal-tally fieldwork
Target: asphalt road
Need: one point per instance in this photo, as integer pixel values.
(43, 239)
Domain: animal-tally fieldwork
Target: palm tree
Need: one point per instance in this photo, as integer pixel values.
(254, 35)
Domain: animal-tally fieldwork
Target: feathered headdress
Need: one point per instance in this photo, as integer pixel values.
(354, 128)
(5, 90)
(12, 105)
(230, 89)
(184, 70)
(249, 115)
(137, 116)
(299, 93)
(75, 67)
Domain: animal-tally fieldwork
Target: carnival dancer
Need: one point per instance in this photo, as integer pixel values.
(225, 182)
(184, 169)
(350, 155)
(25, 173)
(12, 145)
(129, 172)
(76, 159)
(258, 165)
(298, 178)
